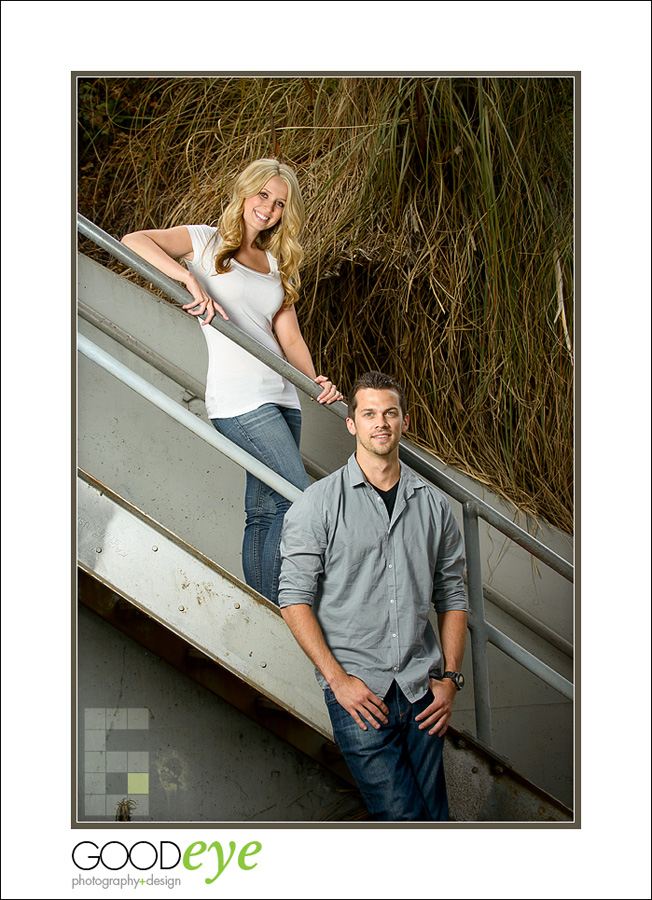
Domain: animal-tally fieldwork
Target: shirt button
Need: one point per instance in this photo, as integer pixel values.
(396, 668)
(391, 566)
(393, 635)
(391, 601)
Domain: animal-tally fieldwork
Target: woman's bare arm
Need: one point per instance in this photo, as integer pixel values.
(162, 247)
(286, 326)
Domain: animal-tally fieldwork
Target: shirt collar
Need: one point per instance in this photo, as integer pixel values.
(410, 479)
(356, 475)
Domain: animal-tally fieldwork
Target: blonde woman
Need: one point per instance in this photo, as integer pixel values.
(247, 270)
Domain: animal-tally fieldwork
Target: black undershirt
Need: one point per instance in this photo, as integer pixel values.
(389, 497)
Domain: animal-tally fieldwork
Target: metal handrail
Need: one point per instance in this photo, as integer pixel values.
(308, 386)
(474, 507)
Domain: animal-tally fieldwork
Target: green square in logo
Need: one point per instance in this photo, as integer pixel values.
(138, 783)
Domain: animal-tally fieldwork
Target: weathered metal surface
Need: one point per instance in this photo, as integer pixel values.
(484, 788)
(195, 598)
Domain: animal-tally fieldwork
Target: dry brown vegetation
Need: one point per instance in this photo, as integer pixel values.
(439, 238)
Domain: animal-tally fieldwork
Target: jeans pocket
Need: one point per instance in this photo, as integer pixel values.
(329, 697)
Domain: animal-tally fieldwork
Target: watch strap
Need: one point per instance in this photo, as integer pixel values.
(456, 677)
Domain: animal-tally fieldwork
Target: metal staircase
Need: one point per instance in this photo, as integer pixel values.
(159, 515)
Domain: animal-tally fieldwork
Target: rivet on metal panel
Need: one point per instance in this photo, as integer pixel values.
(154, 549)
(475, 770)
(497, 770)
(237, 605)
(182, 609)
(263, 665)
(98, 549)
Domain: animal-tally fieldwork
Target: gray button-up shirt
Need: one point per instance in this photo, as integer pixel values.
(370, 580)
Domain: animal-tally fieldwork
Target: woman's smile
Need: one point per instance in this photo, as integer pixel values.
(265, 209)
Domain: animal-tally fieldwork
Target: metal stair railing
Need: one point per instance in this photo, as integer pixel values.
(474, 508)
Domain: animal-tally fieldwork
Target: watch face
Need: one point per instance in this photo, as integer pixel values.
(460, 680)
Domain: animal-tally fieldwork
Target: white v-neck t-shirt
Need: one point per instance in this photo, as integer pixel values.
(237, 382)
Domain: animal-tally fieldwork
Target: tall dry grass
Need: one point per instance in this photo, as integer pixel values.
(439, 240)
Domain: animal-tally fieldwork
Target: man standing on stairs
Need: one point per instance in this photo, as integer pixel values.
(365, 552)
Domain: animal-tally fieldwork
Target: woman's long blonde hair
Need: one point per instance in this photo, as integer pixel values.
(281, 240)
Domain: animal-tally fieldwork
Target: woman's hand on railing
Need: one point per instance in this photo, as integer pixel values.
(330, 393)
(202, 302)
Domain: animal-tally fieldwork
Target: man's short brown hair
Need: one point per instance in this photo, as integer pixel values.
(375, 381)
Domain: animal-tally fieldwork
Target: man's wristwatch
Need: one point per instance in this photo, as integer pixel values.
(456, 677)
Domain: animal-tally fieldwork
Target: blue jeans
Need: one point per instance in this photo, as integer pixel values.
(271, 434)
(398, 769)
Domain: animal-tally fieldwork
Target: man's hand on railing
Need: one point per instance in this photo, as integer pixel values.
(330, 393)
(202, 302)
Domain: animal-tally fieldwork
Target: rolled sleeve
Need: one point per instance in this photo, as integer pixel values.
(448, 591)
(303, 543)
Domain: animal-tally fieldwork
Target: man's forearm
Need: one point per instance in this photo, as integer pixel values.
(351, 692)
(452, 632)
(306, 629)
